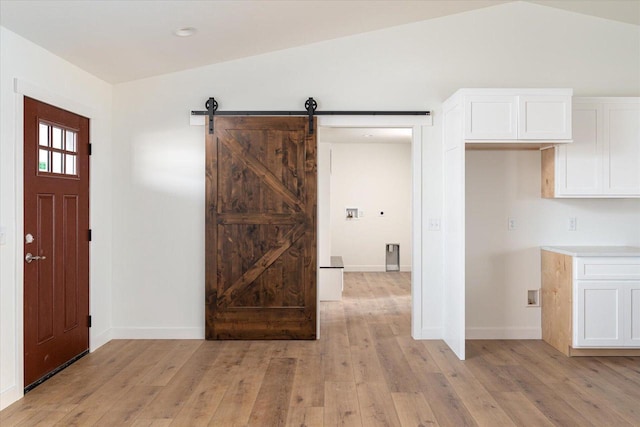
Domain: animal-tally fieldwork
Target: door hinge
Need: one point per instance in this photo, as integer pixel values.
(89, 235)
(90, 148)
(89, 320)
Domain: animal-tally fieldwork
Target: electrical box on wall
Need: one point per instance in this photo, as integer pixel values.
(533, 298)
(392, 251)
(352, 213)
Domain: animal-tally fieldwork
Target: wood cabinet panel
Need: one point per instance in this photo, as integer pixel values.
(557, 300)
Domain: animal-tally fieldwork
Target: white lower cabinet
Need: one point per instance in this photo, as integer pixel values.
(607, 310)
(600, 314)
(590, 302)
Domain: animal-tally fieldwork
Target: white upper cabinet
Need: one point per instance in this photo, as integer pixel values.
(579, 165)
(604, 159)
(621, 157)
(491, 117)
(502, 115)
(546, 117)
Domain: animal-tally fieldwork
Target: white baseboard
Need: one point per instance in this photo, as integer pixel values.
(428, 334)
(99, 340)
(504, 333)
(10, 395)
(371, 268)
(158, 333)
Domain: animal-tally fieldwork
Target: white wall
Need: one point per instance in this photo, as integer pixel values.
(157, 215)
(46, 77)
(159, 188)
(502, 264)
(158, 179)
(372, 177)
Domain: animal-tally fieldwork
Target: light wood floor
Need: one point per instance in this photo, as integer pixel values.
(365, 371)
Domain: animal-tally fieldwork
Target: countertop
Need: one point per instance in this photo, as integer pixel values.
(595, 251)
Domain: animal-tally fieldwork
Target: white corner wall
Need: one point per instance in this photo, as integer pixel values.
(503, 264)
(372, 177)
(158, 192)
(26, 69)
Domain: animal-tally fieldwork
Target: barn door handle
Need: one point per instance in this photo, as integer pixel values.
(30, 258)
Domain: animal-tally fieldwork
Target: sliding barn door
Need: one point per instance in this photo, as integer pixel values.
(261, 229)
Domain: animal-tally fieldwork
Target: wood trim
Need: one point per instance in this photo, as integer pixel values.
(621, 352)
(557, 300)
(548, 168)
(253, 164)
(211, 230)
(240, 285)
(261, 218)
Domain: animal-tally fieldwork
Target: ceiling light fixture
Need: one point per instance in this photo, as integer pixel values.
(185, 32)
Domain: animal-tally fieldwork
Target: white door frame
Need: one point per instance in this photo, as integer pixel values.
(416, 123)
(24, 88)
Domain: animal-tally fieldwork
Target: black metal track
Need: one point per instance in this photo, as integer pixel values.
(310, 105)
(316, 113)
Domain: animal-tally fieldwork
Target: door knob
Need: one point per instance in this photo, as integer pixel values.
(29, 257)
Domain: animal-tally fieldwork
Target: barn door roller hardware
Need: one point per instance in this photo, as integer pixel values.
(310, 107)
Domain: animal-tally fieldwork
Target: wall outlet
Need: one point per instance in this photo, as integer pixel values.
(572, 224)
(3, 236)
(434, 224)
(511, 224)
(533, 298)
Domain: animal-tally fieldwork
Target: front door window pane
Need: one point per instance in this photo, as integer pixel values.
(70, 141)
(43, 161)
(56, 138)
(56, 162)
(70, 164)
(43, 136)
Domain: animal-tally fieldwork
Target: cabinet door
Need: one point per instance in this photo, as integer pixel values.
(491, 117)
(622, 149)
(633, 319)
(578, 164)
(544, 117)
(599, 315)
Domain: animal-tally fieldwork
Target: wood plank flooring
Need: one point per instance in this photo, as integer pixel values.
(366, 370)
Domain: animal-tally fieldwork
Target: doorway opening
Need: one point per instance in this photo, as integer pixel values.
(363, 129)
(365, 177)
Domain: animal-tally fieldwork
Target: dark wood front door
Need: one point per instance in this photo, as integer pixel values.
(261, 229)
(56, 244)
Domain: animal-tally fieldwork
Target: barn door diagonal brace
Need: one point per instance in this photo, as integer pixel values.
(310, 111)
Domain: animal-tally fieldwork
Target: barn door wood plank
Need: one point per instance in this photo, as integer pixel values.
(260, 245)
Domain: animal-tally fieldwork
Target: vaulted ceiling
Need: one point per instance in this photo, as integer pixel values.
(120, 41)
